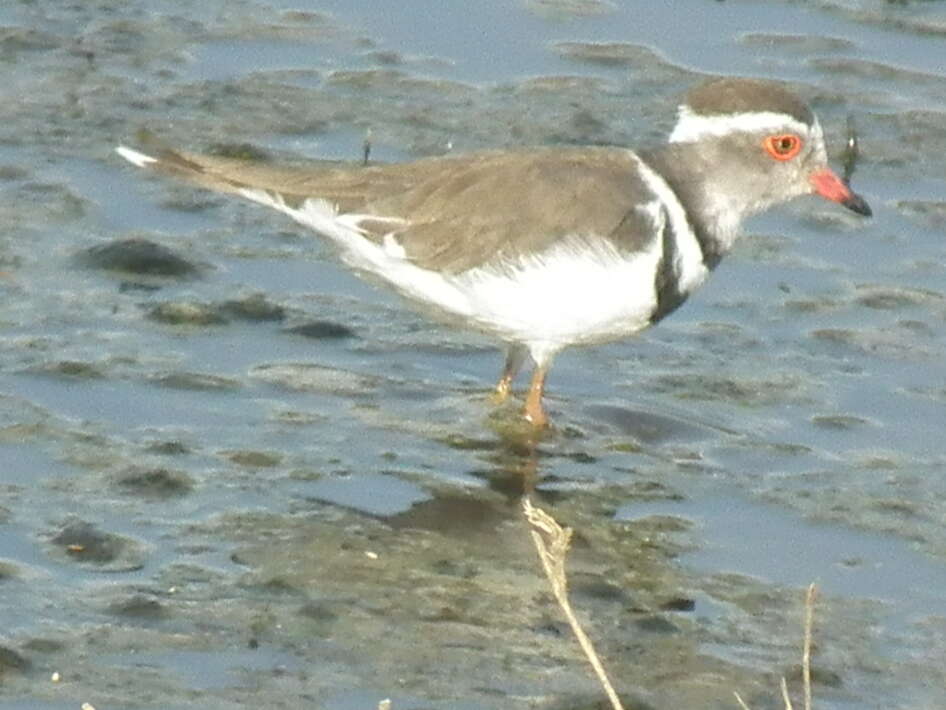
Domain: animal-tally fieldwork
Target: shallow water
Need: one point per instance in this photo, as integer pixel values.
(220, 511)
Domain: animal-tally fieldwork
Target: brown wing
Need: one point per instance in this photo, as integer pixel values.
(459, 212)
(501, 205)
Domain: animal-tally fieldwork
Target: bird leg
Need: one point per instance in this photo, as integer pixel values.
(534, 411)
(515, 356)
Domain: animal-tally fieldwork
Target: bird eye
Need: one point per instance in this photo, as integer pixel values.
(783, 146)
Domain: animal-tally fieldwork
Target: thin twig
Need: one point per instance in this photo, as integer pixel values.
(806, 650)
(552, 541)
(805, 657)
(851, 151)
(366, 148)
(788, 700)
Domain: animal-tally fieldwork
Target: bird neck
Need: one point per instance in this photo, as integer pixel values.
(715, 216)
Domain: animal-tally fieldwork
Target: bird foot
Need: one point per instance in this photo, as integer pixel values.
(535, 415)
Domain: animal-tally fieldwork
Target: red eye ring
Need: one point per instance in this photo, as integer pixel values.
(782, 146)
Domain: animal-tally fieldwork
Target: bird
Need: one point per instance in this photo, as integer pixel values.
(552, 246)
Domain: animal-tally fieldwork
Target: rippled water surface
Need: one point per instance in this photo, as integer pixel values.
(231, 472)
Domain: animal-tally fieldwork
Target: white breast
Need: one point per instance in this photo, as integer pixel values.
(689, 268)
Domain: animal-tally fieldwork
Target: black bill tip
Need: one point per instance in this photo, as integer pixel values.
(857, 204)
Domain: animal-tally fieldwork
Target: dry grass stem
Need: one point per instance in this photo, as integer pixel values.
(806, 650)
(810, 596)
(552, 541)
(785, 697)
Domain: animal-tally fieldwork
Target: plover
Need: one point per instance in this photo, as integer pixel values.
(549, 247)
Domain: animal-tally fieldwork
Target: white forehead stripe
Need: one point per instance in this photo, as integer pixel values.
(692, 127)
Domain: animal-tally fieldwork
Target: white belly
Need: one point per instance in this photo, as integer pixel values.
(580, 290)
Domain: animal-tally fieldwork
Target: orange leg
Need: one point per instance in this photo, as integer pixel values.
(514, 359)
(534, 411)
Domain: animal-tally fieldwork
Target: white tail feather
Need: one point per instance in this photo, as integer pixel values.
(134, 157)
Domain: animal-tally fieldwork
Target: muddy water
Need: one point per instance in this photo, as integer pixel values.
(232, 472)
